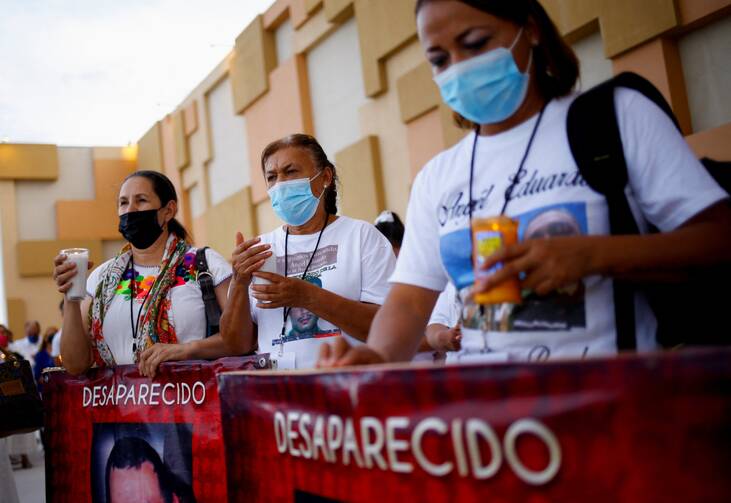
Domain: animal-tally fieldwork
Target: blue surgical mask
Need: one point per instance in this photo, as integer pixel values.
(293, 200)
(488, 88)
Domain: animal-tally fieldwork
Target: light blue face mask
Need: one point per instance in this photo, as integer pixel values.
(488, 88)
(293, 200)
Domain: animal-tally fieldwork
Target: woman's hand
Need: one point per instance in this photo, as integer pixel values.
(152, 357)
(64, 271)
(548, 264)
(283, 292)
(247, 258)
(342, 354)
(445, 340)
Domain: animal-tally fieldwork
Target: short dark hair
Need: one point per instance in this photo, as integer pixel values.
(165, 190)
(557, 67)
(132, 452)
(311, 145)
(392, 228)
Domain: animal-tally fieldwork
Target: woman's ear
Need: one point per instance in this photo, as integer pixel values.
(168, 212)
(532, 32)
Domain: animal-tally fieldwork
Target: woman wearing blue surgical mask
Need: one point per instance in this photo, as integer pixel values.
(320, 277)
(504, 69)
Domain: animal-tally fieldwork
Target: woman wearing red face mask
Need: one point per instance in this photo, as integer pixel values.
(504, 69)
(145, 305)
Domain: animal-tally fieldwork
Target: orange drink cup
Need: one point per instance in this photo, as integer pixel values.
(488, 236)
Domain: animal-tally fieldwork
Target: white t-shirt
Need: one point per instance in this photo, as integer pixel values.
(186, 311)
(667, 186)
(447, 310)
(353, 260)
(56, 345)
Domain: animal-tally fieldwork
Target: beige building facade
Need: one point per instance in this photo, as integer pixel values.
(351, 73)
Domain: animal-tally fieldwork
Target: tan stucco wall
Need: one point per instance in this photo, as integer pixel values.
(41, 217)
(401, 107)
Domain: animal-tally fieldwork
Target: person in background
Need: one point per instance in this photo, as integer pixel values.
(56, 343)
(391, 226)
(144, 306)
(6, 339)
(28, 346)
(507, 73)
(49, 333)
(8, 490)
(441, 336)
(334, 267)
(444, 330)
(43, 359)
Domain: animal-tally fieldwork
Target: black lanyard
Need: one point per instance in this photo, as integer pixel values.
(518, 174)
(135, 326)
(509, 191)
(286, 310)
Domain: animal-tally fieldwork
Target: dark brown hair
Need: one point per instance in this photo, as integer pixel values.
(310, 144)
(557, 67)
(165, 190)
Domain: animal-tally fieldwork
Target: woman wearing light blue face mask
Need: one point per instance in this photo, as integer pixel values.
(322, 277)
(504, 69)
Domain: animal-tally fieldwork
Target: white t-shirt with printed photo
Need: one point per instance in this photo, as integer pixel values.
(186, 310)
(354, 260)
(667, 186)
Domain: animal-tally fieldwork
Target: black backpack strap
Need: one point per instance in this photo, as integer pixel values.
(208, 291)
(596, 144)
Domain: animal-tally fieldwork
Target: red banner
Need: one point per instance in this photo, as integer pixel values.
(113, 435)
(637, 428)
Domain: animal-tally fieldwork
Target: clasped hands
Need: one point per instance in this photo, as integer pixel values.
(248, 257)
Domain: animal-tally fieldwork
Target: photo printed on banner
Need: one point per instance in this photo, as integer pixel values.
(142, 462)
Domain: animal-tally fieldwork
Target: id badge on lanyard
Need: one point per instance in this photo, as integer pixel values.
(282, 360)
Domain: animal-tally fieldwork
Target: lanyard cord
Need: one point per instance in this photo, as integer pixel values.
(135, 326)
(286, 310)
(518, 173)
(511, 187)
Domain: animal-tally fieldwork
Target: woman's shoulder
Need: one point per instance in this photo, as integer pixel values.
(366, 230)
(271, 236)
(101, 268)
(96, 274)
(211, 254)
(217, 264)
(345, 223)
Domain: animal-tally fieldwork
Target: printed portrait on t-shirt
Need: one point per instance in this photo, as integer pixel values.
(301, 323)
(563, 309)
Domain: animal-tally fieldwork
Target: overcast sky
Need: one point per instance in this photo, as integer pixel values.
(101, 72)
